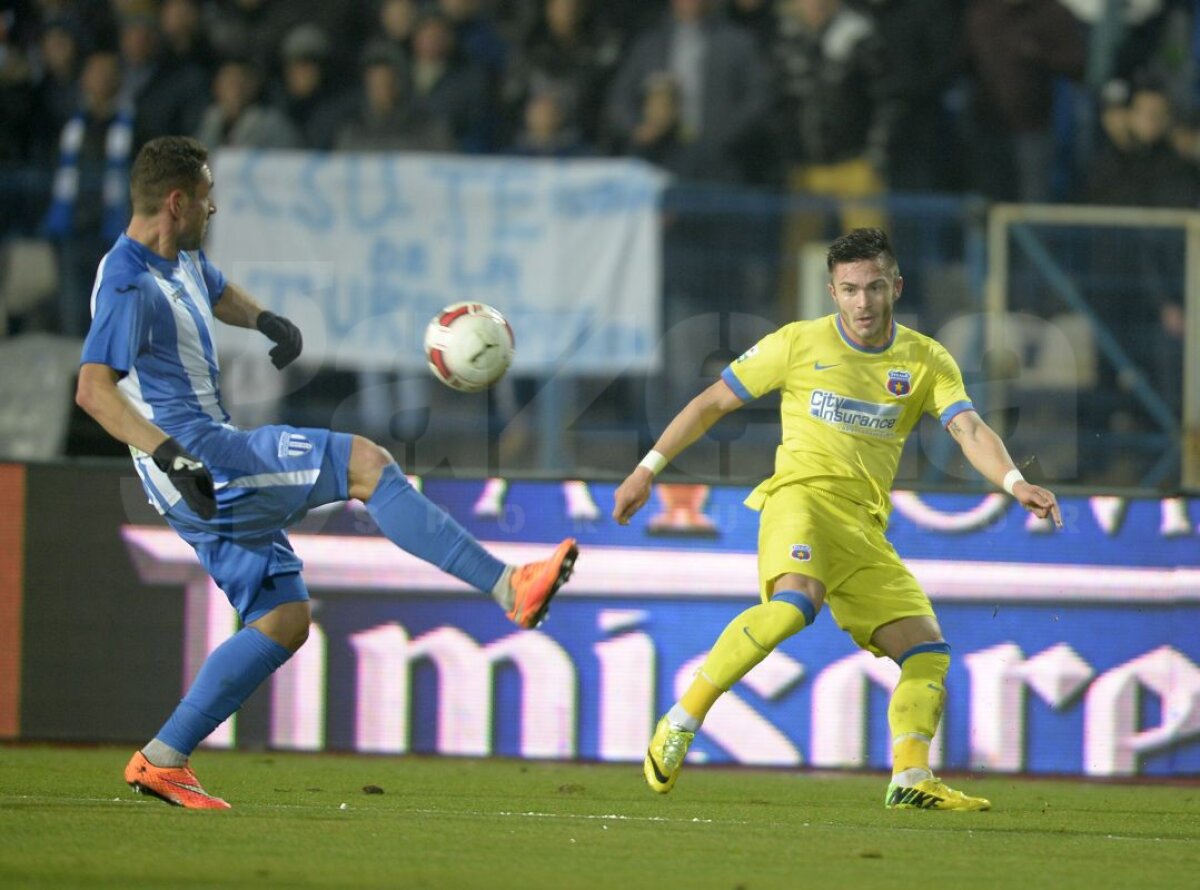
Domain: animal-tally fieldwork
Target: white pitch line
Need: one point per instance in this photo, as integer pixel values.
(147, 800)
(605, 817)
(43, 798)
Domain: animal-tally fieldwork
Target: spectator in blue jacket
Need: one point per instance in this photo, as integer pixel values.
(90, 201)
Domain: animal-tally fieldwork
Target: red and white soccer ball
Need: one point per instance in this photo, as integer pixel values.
(469, 346)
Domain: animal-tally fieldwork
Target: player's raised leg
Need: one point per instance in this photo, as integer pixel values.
(913, 715)
(745, 642)
(277, 628)
(415, 524)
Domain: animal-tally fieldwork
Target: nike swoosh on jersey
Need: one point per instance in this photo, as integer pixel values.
(817, 366)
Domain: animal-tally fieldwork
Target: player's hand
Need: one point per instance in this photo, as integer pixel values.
(286, 335)
(1039, 501)
(189, 475)
(632, 495)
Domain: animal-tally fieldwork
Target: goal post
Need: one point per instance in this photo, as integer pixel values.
(1010, 227)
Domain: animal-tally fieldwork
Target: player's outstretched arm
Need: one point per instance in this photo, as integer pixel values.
(238, 308)
(687, 426)
(987, 454)
(98, 395)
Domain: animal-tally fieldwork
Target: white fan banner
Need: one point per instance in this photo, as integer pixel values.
(361, 250)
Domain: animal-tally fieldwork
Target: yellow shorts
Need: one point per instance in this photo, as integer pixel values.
(840, 543)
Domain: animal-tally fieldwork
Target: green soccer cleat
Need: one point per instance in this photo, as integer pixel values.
(664, 758)
(932, 794)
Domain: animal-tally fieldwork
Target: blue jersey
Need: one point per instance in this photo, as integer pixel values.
(152, 322)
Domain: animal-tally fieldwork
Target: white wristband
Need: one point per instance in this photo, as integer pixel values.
(654, 462)
(1011, 479)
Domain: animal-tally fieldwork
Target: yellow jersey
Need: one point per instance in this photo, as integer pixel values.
(846, 409)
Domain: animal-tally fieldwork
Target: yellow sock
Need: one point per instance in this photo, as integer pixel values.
(916, 708)
(910, 752)
(746, 641)
(700, 696)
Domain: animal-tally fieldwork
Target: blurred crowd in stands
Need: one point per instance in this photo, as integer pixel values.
(1028, 100)
(824, 94)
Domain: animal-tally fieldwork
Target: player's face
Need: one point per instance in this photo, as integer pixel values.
(864, 292)
(194, 220)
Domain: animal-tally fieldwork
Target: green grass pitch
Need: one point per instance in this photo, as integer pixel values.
(67, 820)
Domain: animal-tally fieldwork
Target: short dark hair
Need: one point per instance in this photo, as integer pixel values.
(163, 165)
(862, 244)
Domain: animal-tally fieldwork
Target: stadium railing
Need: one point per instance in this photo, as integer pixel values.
(1079, 363)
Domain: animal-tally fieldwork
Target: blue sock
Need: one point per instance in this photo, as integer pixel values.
(414, 523)
(234, 670)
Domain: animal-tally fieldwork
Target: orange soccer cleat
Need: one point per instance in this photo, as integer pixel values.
(535, 583)
(175, 785)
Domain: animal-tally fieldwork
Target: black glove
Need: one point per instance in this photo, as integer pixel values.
(189, 476)
(285, 334)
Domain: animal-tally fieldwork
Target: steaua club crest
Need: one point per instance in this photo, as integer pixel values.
(899, 383)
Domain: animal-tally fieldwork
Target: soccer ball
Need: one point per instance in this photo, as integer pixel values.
(469, 346)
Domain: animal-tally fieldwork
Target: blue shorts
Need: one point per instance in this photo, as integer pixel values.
(266, 479)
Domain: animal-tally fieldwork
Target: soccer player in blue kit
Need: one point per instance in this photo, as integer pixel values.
(149, 376)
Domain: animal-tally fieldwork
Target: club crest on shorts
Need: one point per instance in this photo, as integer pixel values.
(801, 552)
(294, 445)
(899, 383)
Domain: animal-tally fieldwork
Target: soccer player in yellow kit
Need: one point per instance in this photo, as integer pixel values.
(853, 385)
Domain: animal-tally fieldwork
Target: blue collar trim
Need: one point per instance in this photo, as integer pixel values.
(837, 319)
